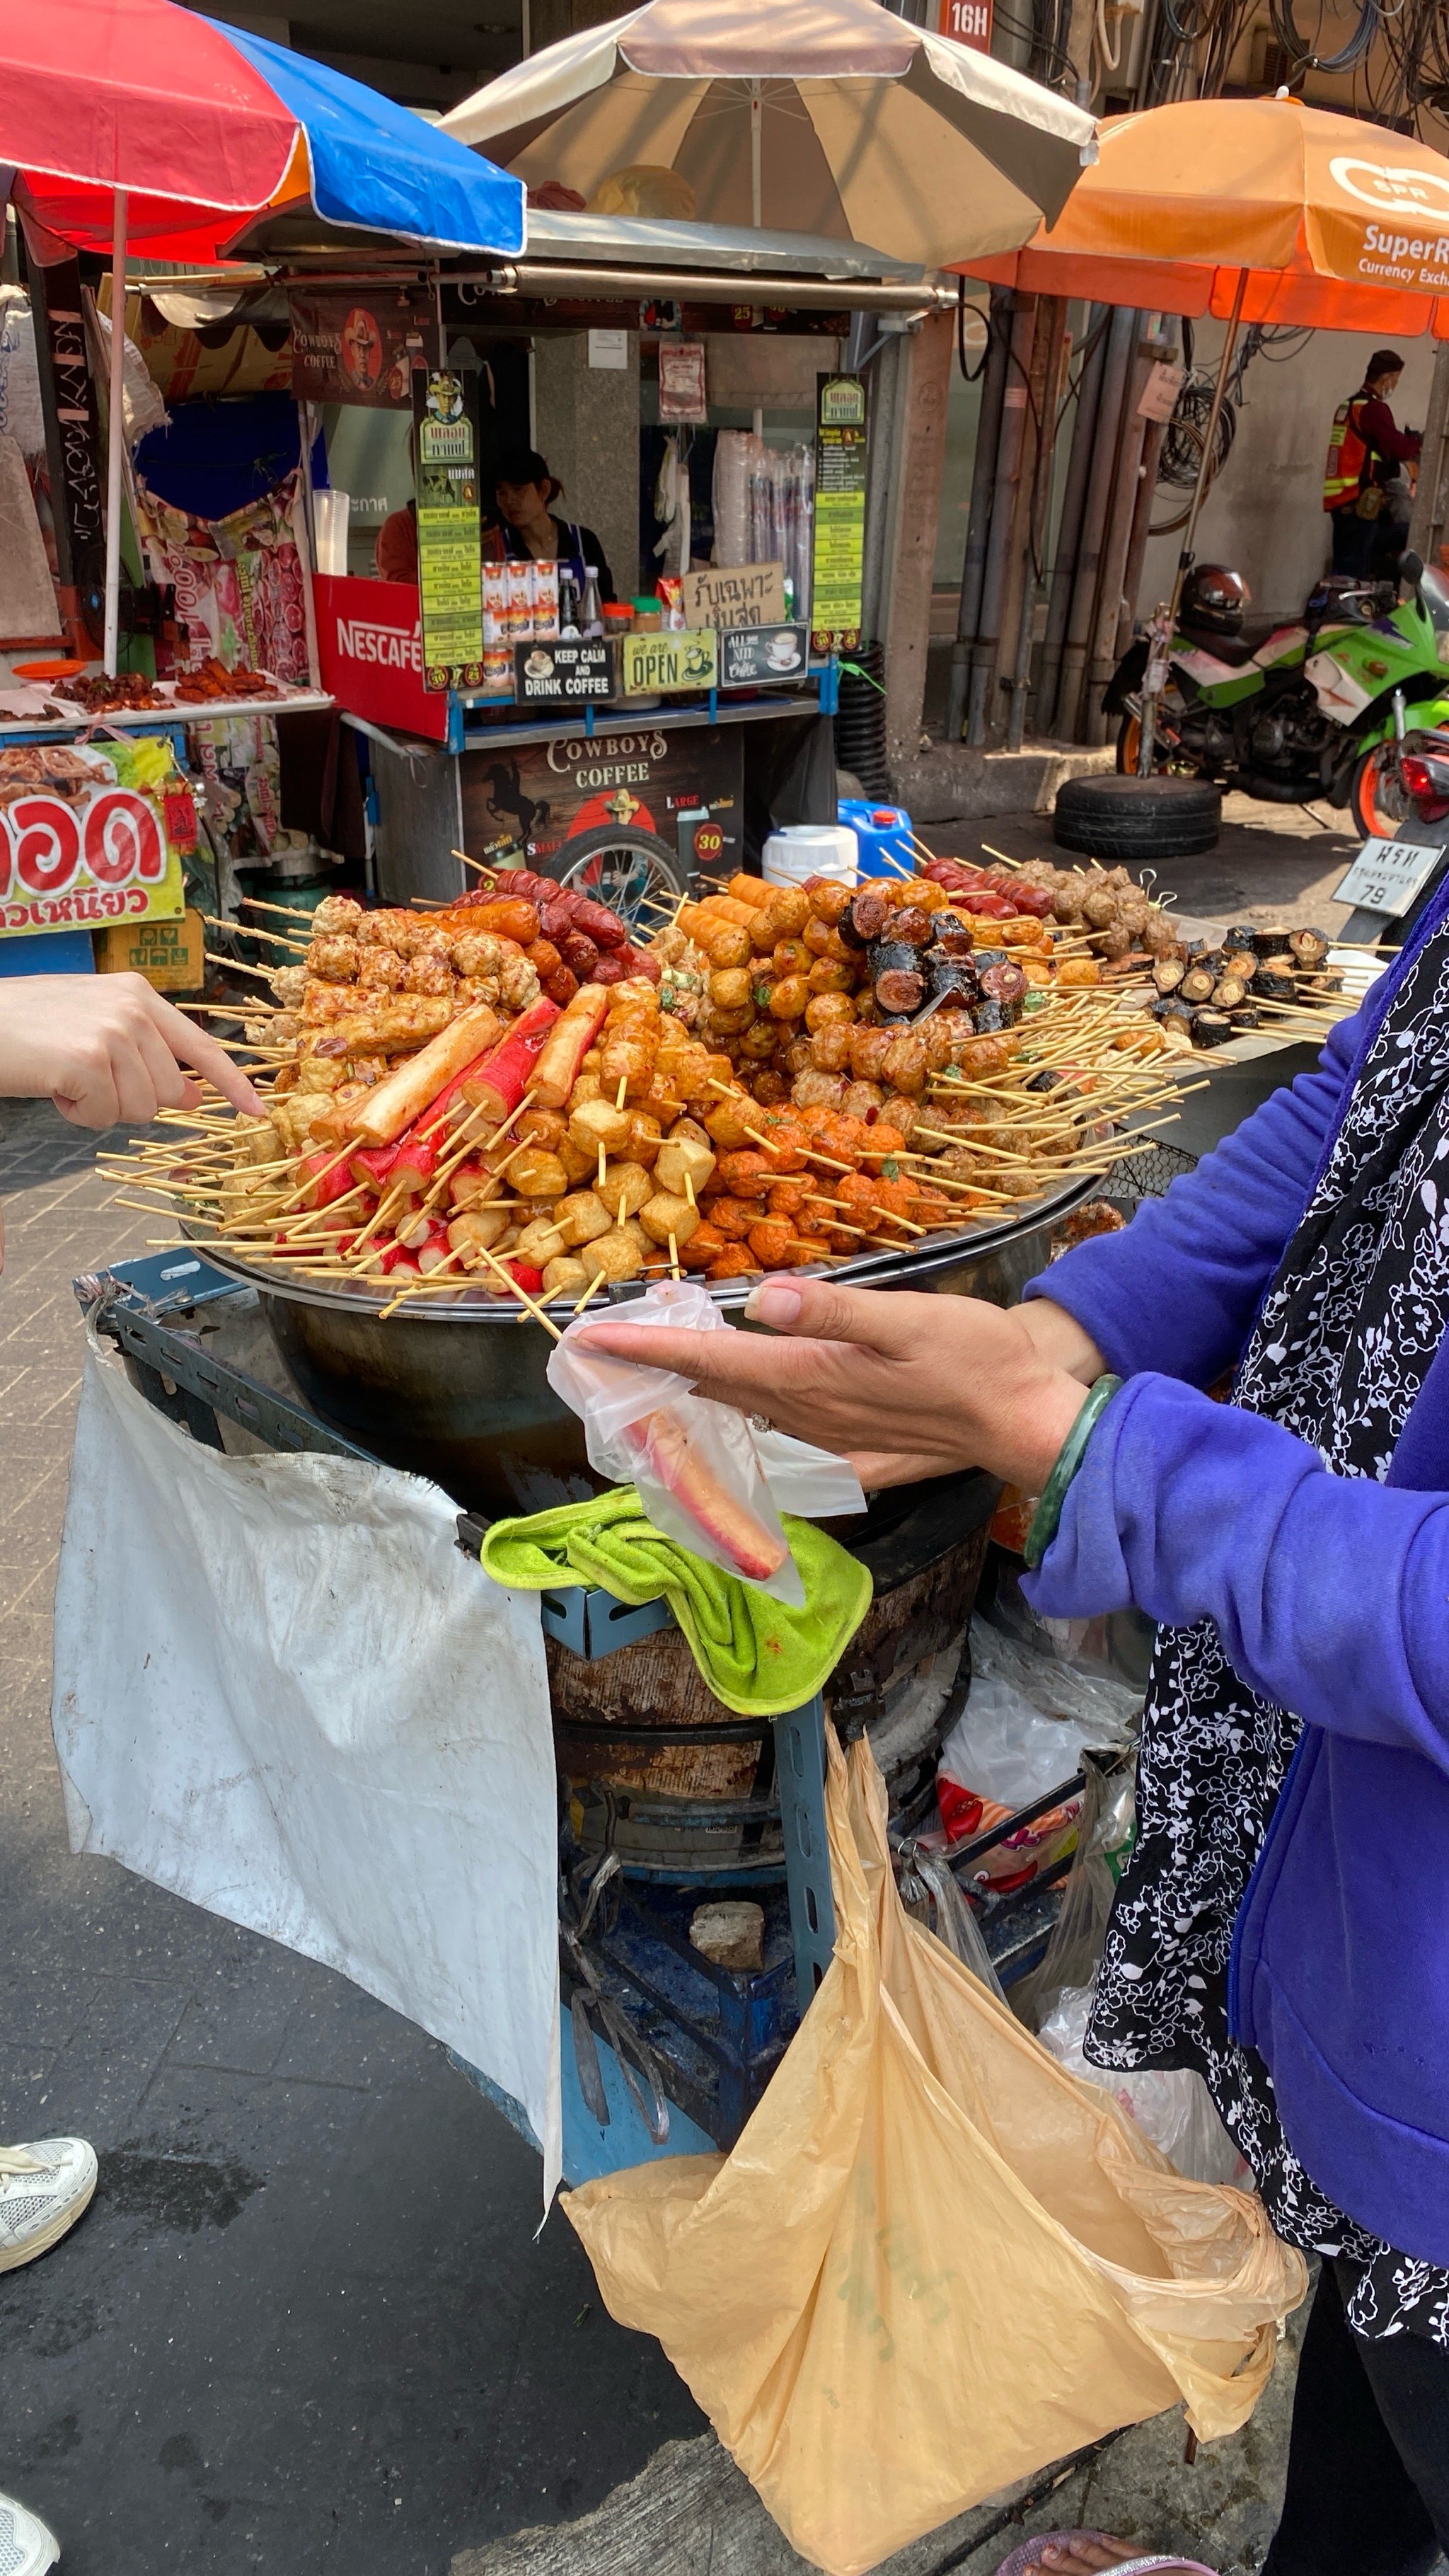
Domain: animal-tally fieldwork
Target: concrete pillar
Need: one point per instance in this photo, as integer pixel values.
(1429, 523)
(925, 363)
(586, 422)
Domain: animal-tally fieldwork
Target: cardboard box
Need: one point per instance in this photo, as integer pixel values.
(170, 954)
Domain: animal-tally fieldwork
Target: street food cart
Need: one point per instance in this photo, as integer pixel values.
(680, 729)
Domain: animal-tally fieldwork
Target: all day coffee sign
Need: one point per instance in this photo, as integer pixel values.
(91, 835)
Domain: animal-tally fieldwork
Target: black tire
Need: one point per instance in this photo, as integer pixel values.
(636, 873)
(1137, 818)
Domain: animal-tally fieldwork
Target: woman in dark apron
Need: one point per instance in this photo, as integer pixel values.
(528, 524)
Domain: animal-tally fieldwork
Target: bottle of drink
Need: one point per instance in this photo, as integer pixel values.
(591, 615)
(568, 601)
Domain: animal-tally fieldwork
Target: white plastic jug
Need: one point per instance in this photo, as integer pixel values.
(801, 850)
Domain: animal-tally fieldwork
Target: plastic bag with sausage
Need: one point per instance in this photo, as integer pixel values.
(704, 1476)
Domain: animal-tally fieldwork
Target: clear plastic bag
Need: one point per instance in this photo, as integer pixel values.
(1106, 1833)
(1175, 2110)
(1025, 1729)
(704, 1476)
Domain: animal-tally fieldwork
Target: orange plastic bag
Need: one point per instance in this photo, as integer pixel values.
(935, 2260)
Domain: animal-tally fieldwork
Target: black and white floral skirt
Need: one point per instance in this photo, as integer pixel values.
(1338, 1355)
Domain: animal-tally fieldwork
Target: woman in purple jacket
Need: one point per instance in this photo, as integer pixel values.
(1284, 1924)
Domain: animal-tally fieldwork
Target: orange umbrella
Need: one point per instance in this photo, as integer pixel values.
(1259, 210)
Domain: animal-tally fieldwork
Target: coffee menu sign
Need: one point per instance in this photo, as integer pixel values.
(839, 553)
(93, 835)
(752, 657)
(449, 541)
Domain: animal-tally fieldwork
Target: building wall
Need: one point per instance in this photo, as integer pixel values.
(1264, 515)
(586, 423)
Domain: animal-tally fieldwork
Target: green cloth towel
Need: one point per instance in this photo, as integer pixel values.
(757, 1655)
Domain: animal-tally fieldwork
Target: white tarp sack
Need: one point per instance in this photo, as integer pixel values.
(282, 1692)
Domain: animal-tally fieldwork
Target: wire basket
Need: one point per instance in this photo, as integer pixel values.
(1148, 1176)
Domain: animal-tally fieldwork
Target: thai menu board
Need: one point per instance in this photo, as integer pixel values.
(449, 531)
(839, 560)
(92, 834)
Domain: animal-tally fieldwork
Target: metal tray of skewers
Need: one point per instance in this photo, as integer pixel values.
(504, 1108)
(509, 1099)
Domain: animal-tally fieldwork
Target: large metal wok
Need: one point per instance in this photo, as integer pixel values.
(458, 1393)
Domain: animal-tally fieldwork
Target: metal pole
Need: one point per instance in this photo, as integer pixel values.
(1155, 675)
(1125, 490)
(1431, 492)
(1204, 463)
(1003, 509)
(1141, 529)
(978, 519)
(1070, 527)
(1121, 333)
(115, 432)
(1046, 375)
(757, 118)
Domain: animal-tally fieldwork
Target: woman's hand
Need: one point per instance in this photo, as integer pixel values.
(904, 1386)
(105, 1049)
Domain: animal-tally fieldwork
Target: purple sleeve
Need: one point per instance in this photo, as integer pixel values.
(1328, 1591)
(1178, 1288)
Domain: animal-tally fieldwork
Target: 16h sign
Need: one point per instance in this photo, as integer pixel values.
(968, 21)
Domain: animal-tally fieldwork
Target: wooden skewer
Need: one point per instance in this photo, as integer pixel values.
(234, 966)
(284, 911)
(522, 1294)
(313, 1177)
(419, 1287)
(255, 930)
(312, 1217)
(477, 865)
(231, 1010)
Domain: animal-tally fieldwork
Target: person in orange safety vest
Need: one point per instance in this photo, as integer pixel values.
(1365, 450)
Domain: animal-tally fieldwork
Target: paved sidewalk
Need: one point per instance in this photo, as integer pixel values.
(305, 2325)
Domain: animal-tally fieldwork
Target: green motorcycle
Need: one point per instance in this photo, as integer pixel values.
(1321, 708)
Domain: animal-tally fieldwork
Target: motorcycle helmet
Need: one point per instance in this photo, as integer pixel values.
(1214, 599)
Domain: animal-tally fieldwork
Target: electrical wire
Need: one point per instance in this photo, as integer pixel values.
(970, 375)
(1303, 52)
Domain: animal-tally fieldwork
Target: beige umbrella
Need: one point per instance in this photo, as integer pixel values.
(806, 116)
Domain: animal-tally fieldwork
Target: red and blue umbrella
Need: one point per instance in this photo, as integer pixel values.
(223, 144)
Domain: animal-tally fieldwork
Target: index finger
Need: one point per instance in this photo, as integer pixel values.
(745, 1369)
(192, 1046)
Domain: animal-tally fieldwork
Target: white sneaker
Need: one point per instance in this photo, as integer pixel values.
(43, 2189)
(27, 2547)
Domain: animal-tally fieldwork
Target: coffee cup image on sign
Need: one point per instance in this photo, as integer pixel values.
(696, 662)
(782, 653)
(539, 666)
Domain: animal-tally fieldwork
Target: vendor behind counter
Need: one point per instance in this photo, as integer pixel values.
(528, 524)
